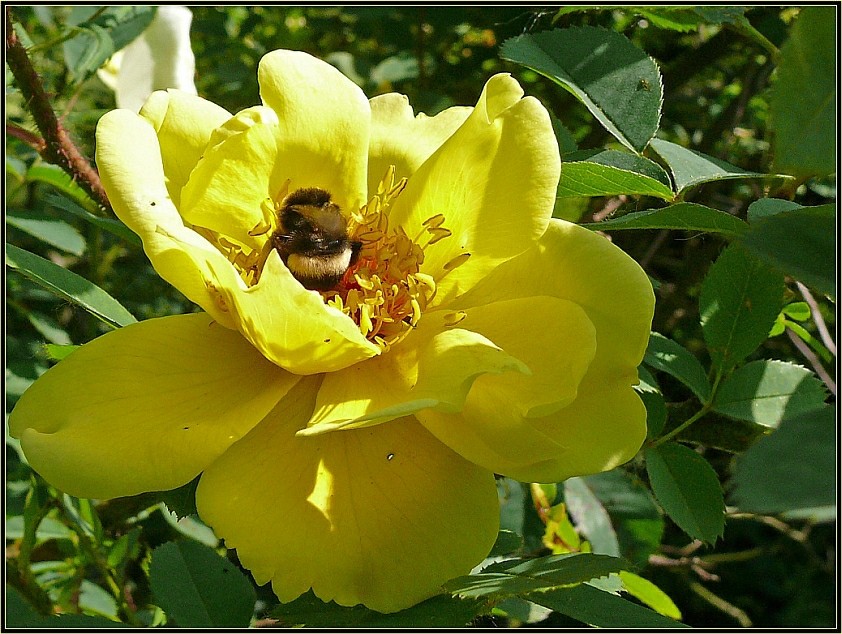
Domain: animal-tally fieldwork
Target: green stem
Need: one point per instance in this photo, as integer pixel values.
(99, 561)
(748, 30)
(666, 437)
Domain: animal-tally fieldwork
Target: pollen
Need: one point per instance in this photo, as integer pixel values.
(384, 291)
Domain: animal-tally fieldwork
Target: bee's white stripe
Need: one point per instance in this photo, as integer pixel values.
(317, 267)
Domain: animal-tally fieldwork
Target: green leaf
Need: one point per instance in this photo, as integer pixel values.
(507, 542)
(647, 592)
(668, 356)
(58, 352)
(690, 168)
(52, 231)
(438, 611)
(20, 614)
(114, 227)
(799, 311)
(56, 177)
(656, 413)
(396, 68)
(198, 588)
(89, 49)
(566, 141)
(767, 392)
(48, 328)
(100, 34)
(615, 80)
(793, 468)
(601, 609)
(769, 207)
(519, 576)
(611, 172)
(803, 101)
(682, 216)
(646, 382)
(69, 286)
(688, 490)
(634, 514)
(738, 304)
(590, 516)
(800, 242)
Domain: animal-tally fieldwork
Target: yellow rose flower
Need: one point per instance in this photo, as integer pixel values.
(348, 438)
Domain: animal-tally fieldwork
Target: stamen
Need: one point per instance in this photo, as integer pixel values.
(384, 292)
(456, 262)
(451, 319)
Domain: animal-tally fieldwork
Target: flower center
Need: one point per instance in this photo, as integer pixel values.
(382, 289)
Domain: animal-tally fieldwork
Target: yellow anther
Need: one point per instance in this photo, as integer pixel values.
(434, 221)
(451, 319)
(438, 233)
(456, 262)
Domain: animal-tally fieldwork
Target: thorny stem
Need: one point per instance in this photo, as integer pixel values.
(58, 148)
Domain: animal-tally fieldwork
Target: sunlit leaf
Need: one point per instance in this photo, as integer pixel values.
(615, 80)
(601, 609)
(58, 178)
(108, 224)
(520, 576)
(590, 516)
(52, 231)
(69, 286)
(647, 592)
(766, 392)
(611, 172)
(681, 216)
(690, 168)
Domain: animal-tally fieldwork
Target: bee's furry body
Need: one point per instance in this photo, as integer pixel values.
(312, 239)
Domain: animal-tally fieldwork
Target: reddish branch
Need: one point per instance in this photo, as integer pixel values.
(56, 146)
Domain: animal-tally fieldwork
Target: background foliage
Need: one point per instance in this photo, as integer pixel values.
(727, 517)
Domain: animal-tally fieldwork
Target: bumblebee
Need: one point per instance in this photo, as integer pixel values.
(312, 239)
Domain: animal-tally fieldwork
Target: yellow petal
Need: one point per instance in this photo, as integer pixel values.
(603, 428)
(130, 165)
(434, 368)
(556, 341)
(293, 326)
(324, 122)
(606, 423)
(581, 266)
(403, 139)
(381, 516)
(495, 182)
(146, 407)
(183, 123)
(232, 179)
